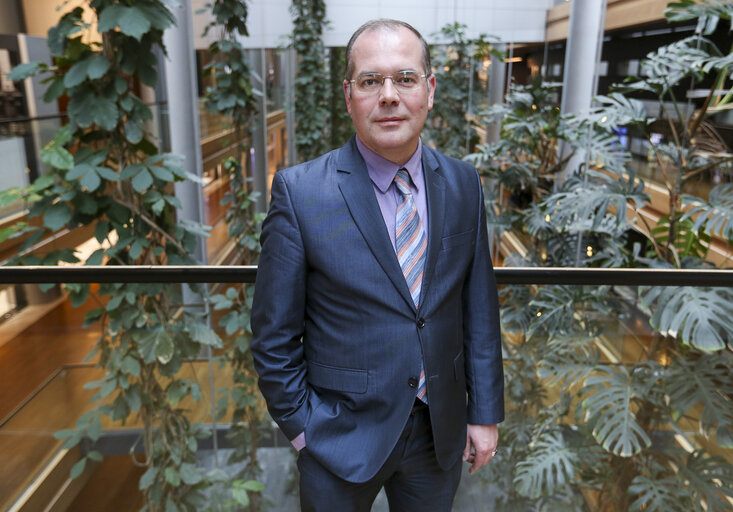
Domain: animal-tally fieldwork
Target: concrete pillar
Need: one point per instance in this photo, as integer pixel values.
(259, 134)
(497, 76)
(582, 53)
(180, 71)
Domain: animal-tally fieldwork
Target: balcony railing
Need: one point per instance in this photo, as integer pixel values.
(26, 434)
(248, 273)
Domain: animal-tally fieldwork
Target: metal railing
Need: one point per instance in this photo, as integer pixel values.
(248, 273)
(122, 440)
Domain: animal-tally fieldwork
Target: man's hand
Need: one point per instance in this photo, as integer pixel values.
(480, 445)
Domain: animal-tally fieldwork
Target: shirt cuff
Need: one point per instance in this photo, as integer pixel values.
(299, 442)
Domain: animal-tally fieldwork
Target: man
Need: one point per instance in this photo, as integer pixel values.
(375, 316)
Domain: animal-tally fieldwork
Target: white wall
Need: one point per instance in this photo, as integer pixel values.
(509, 20)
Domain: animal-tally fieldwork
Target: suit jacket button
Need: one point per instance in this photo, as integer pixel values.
(421, 323)
(412, 382)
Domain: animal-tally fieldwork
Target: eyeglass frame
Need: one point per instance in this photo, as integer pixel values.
(385, 77)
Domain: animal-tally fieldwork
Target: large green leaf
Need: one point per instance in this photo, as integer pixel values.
(25, 70)
(701, 317)
(670, 64)
(78, 72)
(83, 170)
(105, 112)
(709, 480)
(57, 216)
(714, 215)
(608, 397)
(550, 466)
(707, 13)
(142, 180)
(55, 90)
(98, 67)
(618, 110)
(687, 241)
(164, 347)
(204, 334)
(705, 381)
(585, 204)
(515, 315)
(56, 156)
(133, 131)
(131, 20)
(658, 495)
(81, 108)
(554, 308)
(568, 359)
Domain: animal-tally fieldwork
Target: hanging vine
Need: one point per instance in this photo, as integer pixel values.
(459, 90)
(233, 95)
(312, 87)
(105, 170)
(341, 127)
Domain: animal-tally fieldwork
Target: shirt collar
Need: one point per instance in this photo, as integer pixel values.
(382, 171)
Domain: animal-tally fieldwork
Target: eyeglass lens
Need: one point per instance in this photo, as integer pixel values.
(372, 82)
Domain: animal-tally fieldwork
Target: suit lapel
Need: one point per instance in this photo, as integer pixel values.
(435, 186)
(356, 188)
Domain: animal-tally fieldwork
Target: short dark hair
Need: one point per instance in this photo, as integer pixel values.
(388, 24)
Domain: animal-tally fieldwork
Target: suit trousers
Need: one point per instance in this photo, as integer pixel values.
(411, 477)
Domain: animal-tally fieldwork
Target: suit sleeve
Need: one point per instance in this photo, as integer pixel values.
(278, 312)
(482, 331)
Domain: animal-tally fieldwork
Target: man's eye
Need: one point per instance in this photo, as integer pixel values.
(369, 81)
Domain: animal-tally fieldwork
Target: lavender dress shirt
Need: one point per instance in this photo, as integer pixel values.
(382, 173)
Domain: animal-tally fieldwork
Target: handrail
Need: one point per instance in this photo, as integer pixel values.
(247, 274)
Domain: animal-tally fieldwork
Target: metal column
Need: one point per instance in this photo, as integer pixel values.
(259, 133)
(180, 70)
(581, 57)
(497, 73)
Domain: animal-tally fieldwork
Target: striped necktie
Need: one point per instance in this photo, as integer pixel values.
(411, 244)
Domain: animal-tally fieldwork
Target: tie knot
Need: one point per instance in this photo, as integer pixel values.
(402, 182)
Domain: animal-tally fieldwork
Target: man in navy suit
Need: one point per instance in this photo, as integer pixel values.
(375, 318)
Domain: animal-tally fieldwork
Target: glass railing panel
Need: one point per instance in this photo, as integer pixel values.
(27, 440)
(557, 340)
(587, 362)
(20, 146)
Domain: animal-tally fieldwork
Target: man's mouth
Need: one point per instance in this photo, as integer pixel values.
(388, 121)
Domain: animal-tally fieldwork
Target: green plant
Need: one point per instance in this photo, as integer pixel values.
(234, 96)
(106, 171)
(584, 430)
(312, 90)
(341, 127)
(458, 91)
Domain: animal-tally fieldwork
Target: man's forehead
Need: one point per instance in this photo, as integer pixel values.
(385, 34)
(400, 40)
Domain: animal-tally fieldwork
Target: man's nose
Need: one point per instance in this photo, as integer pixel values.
(388, 93)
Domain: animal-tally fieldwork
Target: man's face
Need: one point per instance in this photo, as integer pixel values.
(389, 121)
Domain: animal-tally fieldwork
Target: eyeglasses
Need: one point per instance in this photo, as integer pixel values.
(370, 83)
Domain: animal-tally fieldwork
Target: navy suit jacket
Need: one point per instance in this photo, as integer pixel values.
(336, 337)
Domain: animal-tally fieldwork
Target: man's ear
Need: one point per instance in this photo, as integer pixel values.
(431, 91)
(347, 95)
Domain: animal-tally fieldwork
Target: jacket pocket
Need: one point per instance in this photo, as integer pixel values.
(458, 239)
(459, 368)
(349, 380)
